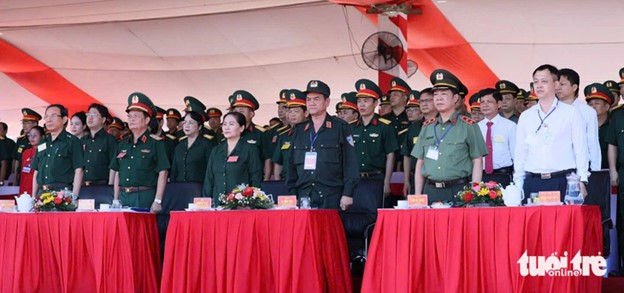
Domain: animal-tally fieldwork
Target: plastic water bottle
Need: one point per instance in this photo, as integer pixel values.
(573, 194)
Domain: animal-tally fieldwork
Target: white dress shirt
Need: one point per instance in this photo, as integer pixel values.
(503, 140)
(590, 117)
(559, 144)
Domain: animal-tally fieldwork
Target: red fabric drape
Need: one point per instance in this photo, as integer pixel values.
(41, 80)
(477, 249)
(79, 252)
(256, 251)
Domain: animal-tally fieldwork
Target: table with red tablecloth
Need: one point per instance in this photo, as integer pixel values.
(79, 252)
(477, 249)
(256, 251)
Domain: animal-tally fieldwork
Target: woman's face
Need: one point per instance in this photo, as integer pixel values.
(231, 128)
(76, 127)
(34, 137)
(191, 127)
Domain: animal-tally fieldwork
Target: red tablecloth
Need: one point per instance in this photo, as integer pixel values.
(79, 252)
(477, 249)
(256, 251)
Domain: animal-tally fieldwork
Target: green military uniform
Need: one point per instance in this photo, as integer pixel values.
(22, 143)
(601, 92)
(447, 147)
(217, 133)
(99, 151)
(507, 87)
(410, 137)
(56, 161)
(254, 134)
(335, 173)
(294, 98)
(338, 107)
(139, 164)
(226, 171)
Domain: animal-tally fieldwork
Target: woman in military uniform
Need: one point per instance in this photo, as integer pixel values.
(233, 162)
(192, 153)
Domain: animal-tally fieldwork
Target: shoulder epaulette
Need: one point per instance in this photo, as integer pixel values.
(403, 131)
(285, 127)
(384, 120)
(208, 136)
(467, 120)
(353, 121)
(274, 125)
(171, 136)
(156, 137)
(284, 131)
(260, 128)
(616, 107)
(429, 121)
(183, 138)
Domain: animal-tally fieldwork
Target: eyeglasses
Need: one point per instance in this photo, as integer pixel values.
(51, 116)
(89, 114)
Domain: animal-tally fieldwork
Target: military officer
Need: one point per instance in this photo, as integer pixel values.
(384, 105)
(349, 108)
(426, 104)
(600, 99)
(297, 113)
(141, 162)
(274, 130)
(30, 119)
(100, 148)
(508, 90)
(614, 89)
(192, 153)
(520, 100)
(410, 137)
(375, 137)
(170, 140)
(475, 108)
(531, 100)
(59, 160)
(173, 121)
(460, 106)
(282, 108)
(450, 147)
(621, 84)
(398, 98)
(7, 146)
(322, 163)
(338, 112)
(246, 104)
(214, 123)
(115, 128)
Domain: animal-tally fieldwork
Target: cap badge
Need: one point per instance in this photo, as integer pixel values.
(503, 86)
(412, 97)
(239, 97)
(313, 83)
(609, 84)
(170, 113)
(25, 113)
(393, 83)
(593, 89)
(187, 102)
(362, 86)
(344, 99)
(135, 99)
(283, 96)
(292, 96)
(439, 76)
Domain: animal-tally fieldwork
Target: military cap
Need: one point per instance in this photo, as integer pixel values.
(398, 84)
(463, 90)
(612, 86)
(317, 86)
(338, 106)
(117, 123)
(295, 98)
(443, 79)
(522, 94)
(506, 87)
(367, 89)
(532, 97)
(139, 101)
(412, 99)
(244, 99)
(349, 101)
(160, 112)
(475, 98)
(190, 99)
(385, 100)
(621, 75)
(30, 115)
(192, 106)
(214, 112)
(173, 113)
(282, 97)
(598, 91)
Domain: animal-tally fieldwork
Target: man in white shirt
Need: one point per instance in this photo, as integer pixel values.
(499, 135)
(551, 140)
(567, 92)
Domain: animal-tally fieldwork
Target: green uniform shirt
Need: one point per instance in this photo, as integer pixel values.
(56, 161)
(99, 151)
(218, 135)
(513, 118)
(21, 144)
(373, 143)
(399, 122)
(170, 141)
(139, 164)
(603, 131)
(256, 135)
(411, 137)
(282, 149)
(226, 171)
(615, 134)
(462, 143)
(336, 172)
(189, 164)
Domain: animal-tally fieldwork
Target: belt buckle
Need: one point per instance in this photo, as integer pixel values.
(364, 175)
(440, 185)
(45, 187)
(127, 189)
(87, 183)
(545, 175)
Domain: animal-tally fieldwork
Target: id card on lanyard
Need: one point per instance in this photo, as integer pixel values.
(433, 152)
(309, 162)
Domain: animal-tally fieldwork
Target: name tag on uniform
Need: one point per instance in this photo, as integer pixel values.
(499, 139)
(26, 169)
(310, 161)
(232, 159)
(41, 147)
(432, 153)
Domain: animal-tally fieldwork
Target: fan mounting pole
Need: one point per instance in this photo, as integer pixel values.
(396, 23)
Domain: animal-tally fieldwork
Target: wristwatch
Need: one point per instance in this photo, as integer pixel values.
(158, 201)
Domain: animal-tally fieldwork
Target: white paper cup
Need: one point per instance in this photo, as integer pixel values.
(191, 206)
(104, 206)
(402, 203)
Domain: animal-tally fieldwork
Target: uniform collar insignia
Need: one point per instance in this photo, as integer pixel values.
(328, 124)
(307, 127)
(144, 138)
(375, 121)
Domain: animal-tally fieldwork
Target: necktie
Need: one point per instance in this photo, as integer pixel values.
(489, 162)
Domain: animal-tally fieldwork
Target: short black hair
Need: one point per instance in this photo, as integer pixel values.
(239, 117)
(571, 76)
(60, 107)
(103, 110)
(490, 91)
(4, 126)
(427, 91)
(552, 69)
(39, 129)
(195, 116)
(275, 119)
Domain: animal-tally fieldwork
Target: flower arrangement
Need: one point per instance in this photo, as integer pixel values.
(53, 200)
(244, 196)
(478, 193)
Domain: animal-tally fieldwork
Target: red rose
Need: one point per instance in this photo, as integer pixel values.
(67, 199)
(248, 192)
(492, 194)
(230, 197)
(468, 197)
(38, 198)
(474, 184)
(58, 200)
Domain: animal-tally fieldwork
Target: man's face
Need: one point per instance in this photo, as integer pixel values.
(489, 106)
(348, 115)
(137, 120)
(316, 103)
(115, 132)
(601, 107)
(2, 131)
(385, 109)
(426, 103)
(366, 106)
(621, 93)
(413, 113)
(397, 98)
(339, 114)
(520, 105)
(508, 103)
(27, 125)
(476, 115)
(214, 122)
(246, 111)
(444, 100)
(530, 103)
(296, 115)
(172, 124)
(95, 119)
(53, 121)
(616, 96)
(544, 84)
(565, 90)
(282, 111)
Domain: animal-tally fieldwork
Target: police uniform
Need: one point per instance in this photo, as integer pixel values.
(447, 148)
(139, 164)
(99, 150)
(410, 137)
(22, 143)
(335, 172)
(56, 161)
(373, 142)
(295, 98)
(507, 87)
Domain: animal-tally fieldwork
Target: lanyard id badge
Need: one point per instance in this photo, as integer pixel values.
(310, 161)
(432, 153)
